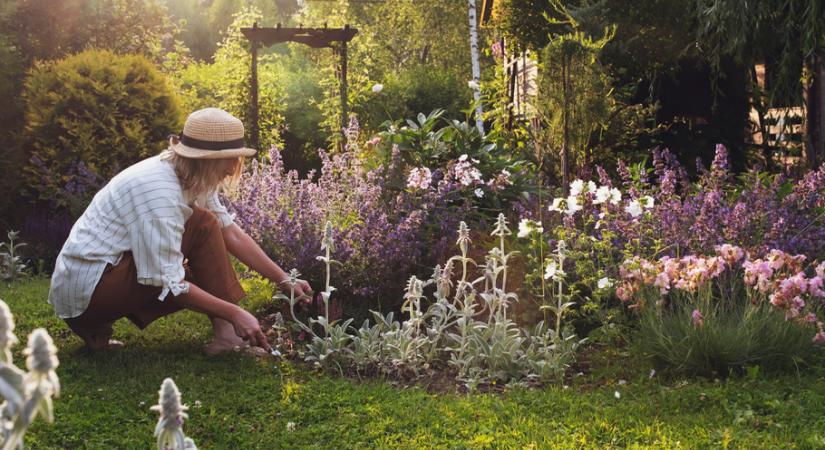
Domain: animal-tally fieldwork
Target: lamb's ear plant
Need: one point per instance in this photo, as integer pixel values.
(169, 429)
(27, 394)
(11, 264)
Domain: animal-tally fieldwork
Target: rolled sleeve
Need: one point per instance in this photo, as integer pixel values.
(156, 247)
(213, 204)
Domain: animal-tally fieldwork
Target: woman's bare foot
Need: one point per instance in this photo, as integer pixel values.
(97, 345)
(217, 346)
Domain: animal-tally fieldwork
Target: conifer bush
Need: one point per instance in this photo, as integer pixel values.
(90, 115)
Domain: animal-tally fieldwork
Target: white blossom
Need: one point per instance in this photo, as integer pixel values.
(478, 193)
(604, 283)
(527, 226)
(377, 87)
(573, 205)
(591, 187)
(615, 196)
(634, 208)
(556, 205)
(648, 201)
(576, 187)
(472, 84)
(553, 271)
(602, 195)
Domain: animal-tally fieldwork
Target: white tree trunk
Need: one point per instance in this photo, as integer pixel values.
(476, 71)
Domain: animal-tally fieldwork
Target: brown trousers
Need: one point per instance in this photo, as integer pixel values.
(118, 294)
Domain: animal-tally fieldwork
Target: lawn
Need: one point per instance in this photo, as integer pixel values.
(238, 401)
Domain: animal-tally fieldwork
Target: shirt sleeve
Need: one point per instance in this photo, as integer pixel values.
(213, 204)
(156, 248)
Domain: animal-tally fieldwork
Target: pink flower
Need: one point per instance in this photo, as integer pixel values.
(791, 313)
(374, 141)
(697, 318)
(815, 286)
(819, 338)
(662, 282)
(810, 317)
(820, 270)
(419, 178)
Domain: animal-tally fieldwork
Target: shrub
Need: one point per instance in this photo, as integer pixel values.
(94, 109)
(417, 90)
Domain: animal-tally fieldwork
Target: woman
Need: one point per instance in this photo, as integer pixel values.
(156, 240)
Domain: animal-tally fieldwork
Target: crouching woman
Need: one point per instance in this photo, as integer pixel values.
(156, 240)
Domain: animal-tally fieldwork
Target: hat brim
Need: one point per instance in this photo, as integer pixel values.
(197, 153)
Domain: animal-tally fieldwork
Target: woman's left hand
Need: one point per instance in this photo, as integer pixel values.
(303, 291)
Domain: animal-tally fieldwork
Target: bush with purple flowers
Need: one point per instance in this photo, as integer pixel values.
(382, 236)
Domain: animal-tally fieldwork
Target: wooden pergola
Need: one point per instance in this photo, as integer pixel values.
(313, 37)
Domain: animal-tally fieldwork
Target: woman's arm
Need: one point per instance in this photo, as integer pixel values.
(243, 247)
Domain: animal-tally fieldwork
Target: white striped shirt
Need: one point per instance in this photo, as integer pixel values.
(143, 210)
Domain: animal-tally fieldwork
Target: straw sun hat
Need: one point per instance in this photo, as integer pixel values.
(211, 133)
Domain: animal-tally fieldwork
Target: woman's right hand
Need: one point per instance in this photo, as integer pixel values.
(247, 327)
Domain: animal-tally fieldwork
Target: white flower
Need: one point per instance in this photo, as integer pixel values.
(648, 201)
(472, 84)
(553, 271)
(573, 205)
(604, 283)
(527, 226)
(602, 195)
(576, 187)
(617, 394)
(556, 206)
(463, 157)
(377, 87)
(591, 187)
(615, 196)
(478, 193)
(634, 208)
(290, 426)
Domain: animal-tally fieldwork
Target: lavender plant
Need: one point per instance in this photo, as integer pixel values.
(382, 235)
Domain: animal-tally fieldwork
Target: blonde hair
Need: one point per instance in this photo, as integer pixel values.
(199, 176)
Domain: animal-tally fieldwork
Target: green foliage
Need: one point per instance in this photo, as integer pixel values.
(50, 29)
(523, 22)
(416, 90)
(12, 73)
(733, 336)
(12, 266)
(96, 108)
(226, 84)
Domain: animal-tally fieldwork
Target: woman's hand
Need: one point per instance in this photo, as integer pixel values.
(247, 327)
(303, 292)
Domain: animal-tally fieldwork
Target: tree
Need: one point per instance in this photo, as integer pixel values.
(789, 32)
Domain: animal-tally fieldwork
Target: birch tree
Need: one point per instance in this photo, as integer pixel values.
(475, 83)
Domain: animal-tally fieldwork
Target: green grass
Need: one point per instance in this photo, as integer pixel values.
(247, 403)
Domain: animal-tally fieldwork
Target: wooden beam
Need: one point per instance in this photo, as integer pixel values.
(313, 37)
